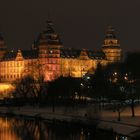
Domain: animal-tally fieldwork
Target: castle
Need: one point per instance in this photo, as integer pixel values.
(49, 54)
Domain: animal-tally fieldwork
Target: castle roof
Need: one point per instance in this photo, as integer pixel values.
(110, 34)
(30, 54)
(75, 53)
(10, 55)
(27, 54)
(49, 36)
(69, 53)
(96, 54)
(111, 42)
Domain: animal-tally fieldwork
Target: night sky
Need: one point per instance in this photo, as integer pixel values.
(80, 23)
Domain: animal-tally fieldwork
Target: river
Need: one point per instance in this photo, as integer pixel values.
(27, 129)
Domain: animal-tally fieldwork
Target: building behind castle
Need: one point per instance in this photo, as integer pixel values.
(50, 58)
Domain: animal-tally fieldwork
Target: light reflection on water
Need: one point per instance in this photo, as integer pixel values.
(20, 129)
(6, 131)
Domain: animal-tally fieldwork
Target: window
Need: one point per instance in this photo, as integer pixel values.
(54, 61)
(50, 60)
(50, 68)
(54, 67)
(58, 68)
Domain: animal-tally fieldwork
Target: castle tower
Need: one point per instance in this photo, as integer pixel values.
(49, 36)
(111, 46)
(49, 44)
(2, 46)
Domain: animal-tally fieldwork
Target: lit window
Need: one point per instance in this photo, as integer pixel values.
(50, 68)
(54, 68)
(58, 68)
(54, 61)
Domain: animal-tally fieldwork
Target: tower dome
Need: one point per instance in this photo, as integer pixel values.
(49, 36)
(111, 46)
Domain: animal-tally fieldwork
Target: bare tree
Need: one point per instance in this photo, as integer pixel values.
(32, 84)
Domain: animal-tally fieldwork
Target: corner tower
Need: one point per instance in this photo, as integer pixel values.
(111, 46)
(2, 47)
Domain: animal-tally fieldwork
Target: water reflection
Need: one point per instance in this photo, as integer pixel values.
(6, 131)
(21, 129)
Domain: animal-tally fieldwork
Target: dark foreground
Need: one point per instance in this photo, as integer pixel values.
(30, 129)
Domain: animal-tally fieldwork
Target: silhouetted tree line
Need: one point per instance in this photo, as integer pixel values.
(60, 91)
(118, 83)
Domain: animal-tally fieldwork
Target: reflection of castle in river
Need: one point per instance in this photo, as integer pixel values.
(20, 129)
(54, 59)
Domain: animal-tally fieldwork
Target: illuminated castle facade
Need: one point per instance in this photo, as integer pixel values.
(52, 59)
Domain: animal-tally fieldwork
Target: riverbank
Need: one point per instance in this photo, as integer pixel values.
(103, 119)
(61, 114)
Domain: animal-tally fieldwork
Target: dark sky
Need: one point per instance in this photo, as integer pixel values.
(81, 23)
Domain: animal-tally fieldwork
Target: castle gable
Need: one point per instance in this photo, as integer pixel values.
(19, 55)
(83, 55)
